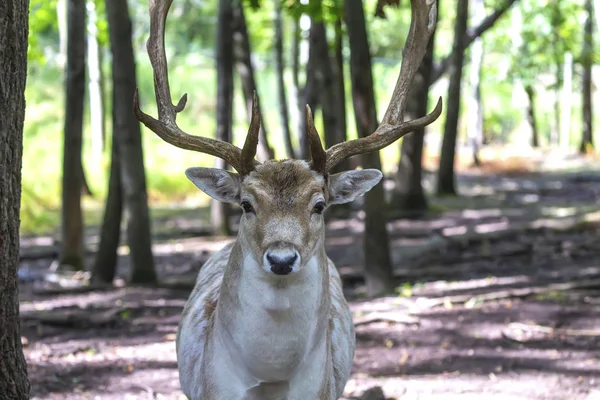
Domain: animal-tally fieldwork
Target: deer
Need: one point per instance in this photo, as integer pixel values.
(267, 318)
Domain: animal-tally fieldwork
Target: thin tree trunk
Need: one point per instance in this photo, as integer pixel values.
(283, 106)
(378, 264)
(535, 136)
(309, 95)
(327, 88)
(587, 140)
(61, 17)
(105, 264)
(14, 383)
(340, 86)
(410, 196)
(129, 143)
(446, 177)
(295, 117)
(95, 97)
(567, 101)
(72, 181)
(475, 109)
(224, 53)
(243, 54)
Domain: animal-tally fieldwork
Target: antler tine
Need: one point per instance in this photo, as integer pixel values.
(392, 128)
(166, 127)
(247, 161)
(318, 155)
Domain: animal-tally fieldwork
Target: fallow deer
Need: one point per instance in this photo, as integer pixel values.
(267, 318)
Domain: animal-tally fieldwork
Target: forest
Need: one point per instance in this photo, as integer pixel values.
(470, 266)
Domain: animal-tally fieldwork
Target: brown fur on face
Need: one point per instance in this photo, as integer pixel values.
(283, 195)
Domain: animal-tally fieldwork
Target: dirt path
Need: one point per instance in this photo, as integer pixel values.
(499, 298)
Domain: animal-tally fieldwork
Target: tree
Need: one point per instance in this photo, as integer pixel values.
(283, 106)
(14, 21)
(475, 108)
(224, 55)
(446, 177)
(72, 246)
(105, 264)
(328, 90)
(340, 86)
(242, 55)
(410, 194)
(378, 263)
(587, 61)
(535, 135)
(126, 129)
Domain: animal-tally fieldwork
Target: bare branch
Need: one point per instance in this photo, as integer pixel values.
(392, 128)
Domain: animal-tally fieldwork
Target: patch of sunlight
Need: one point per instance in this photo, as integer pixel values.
(558, 211)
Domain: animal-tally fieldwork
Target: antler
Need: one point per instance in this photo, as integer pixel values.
(242, 160)
(392, 128)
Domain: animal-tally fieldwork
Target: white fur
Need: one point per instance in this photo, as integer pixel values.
(275, 337)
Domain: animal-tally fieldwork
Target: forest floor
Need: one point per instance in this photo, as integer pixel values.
(498, 298)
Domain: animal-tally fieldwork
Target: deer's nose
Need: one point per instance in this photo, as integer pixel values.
(282, 262)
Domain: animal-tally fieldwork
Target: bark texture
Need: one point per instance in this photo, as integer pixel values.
(105, 264)
(224, 53)
(446, 177)
(127, 130)
(13, 57)
(281, 94)
(243, 54)
(587, 140)
(378, 268)
(535, 135)
(72, 246)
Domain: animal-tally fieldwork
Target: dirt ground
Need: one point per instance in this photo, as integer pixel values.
(499, 298)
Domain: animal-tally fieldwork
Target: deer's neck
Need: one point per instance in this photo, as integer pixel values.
(273, 323)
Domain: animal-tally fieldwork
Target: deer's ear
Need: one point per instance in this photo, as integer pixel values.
(217, 183)
(345, 186)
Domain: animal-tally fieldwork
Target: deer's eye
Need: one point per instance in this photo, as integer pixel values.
(319, 207)
(247, 207)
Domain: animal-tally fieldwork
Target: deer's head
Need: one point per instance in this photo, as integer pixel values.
(283, 201)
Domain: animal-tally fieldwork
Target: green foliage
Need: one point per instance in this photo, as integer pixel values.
(43, 28)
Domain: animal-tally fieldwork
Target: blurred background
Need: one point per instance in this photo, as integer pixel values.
(479, 275)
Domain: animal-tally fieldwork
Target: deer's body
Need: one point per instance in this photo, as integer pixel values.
(246, 333)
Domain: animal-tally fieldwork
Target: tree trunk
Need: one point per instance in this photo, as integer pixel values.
(326, 84)
(378, 264)
(243, 52)
(72, 246)
(446, 176)
(95, 97)
(224, 53)
(296, 83)
(308, 95)
(13, 55)
(283, 106)
(587, 57)
(410, 196)
(475, 109)
(340, 87)
(566, 99)
(129, 143)
(535, 136)
(105, 265)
